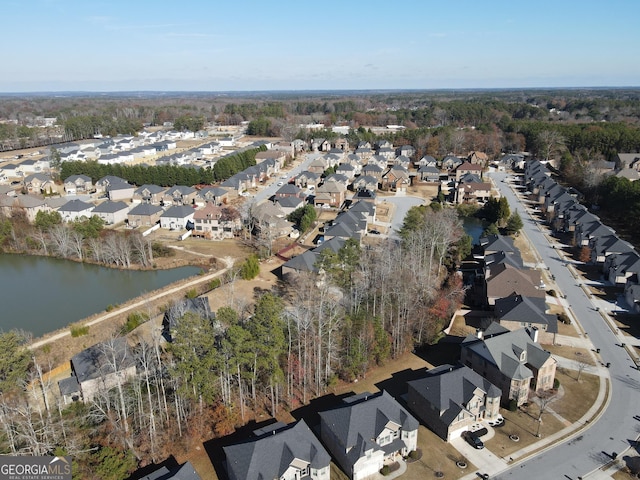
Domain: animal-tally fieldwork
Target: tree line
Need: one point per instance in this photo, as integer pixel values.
(164, 175)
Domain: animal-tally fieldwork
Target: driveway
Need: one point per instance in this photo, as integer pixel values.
(580, 454)
(401, 207)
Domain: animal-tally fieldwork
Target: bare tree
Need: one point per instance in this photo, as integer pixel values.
(581, 364)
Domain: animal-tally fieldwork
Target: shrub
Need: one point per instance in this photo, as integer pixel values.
(134, 320)
(513, 405)
(193, 293)
(215, 283)
(562, 317)
(111, 307)
(413, 454)
(79, 331)
(556, 383)
(160, 250)
(552, 293)
(250, 268)
(385, 470)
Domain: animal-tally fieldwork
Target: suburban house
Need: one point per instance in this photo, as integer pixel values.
(306, 262)
(287, 190)
(330, 193)
(75, 209)
(452, 398)
(468, 167)
(365, 182)
(120, 191)
(450, 162)
(149, 194)
(78, 185)
(278, 156)
(144, 215)
(505, 280)
(497, 243)
(396, 179)
(111, 212)
(472, 192)
(215, 195)
(103, 184)
(212, 223)
(428, 173)
(177, 217)
(477, 158)
(513, 361)
(367, 431)
(620, 267)
(98, 368)
(179, 195)
(289, 204)
(282, 452)
(517, 311)
(39, 183)
(28, 204)
(606, 245)
(307, 179)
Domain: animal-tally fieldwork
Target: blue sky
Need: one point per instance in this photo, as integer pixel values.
(216, 45)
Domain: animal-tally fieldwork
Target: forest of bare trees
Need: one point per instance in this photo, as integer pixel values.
(366, 306)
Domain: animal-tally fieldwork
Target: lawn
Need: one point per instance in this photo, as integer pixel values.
(572, 353)
(578, 395)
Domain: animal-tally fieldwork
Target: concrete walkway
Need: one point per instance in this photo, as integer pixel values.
(118, 311)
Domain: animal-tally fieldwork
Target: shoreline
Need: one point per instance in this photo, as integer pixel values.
(132, 304)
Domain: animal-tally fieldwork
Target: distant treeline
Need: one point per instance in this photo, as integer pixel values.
(165, 175)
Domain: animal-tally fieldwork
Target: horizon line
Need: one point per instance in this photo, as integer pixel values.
(329, 90)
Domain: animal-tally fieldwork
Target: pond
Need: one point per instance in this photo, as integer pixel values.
(42, 294)
(474, 227)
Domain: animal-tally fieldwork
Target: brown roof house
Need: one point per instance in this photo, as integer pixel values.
(468, 167)
(215, 223)
(504, 280)
(516, 311)
(330, 193)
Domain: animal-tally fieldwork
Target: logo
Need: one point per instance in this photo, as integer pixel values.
(35, 468)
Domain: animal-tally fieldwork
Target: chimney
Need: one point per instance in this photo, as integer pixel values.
(479, 333)
(533, 333)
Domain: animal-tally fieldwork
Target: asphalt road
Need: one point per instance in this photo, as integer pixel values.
(402, 206)
(616, 428)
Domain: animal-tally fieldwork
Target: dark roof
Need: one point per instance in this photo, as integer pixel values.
(183, 472)
(110, 207)
(528, 310)
(357, 423)
(304, 262)
(178, 211)
(498, 243)
(270, 456)
(97, 360)
(75, 206)
(145, 209)
(172, 315)
(69, 385)
(449, 389)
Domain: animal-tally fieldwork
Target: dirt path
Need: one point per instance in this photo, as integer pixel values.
(228, 261)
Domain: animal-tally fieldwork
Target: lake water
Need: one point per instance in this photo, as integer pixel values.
(42, 294)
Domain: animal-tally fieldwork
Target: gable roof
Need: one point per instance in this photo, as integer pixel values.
(75, 205)
(178, 211)
(506, 280)
(270, 456)
(110, 207)
(503, 350)
(449, 389)
(145, 210)
(529, 310)
(97, 360)
(360, 420)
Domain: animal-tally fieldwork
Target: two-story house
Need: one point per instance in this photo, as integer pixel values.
(366, 431)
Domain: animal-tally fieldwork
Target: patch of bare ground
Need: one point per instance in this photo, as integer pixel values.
(521, 242)
(572, 353)
(428, 191)
(578, 395)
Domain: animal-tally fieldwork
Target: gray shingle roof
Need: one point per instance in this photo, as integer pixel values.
(362, 418)
(75, 206)
(110, 207)
(449, 389)
(529, 310)
(270, 456)
(96, 360)
(178, 211)
(145, 209)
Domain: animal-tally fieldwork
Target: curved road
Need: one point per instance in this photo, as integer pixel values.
(579, 456)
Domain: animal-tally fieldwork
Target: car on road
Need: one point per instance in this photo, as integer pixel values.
(279, 184)
(473, 440)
